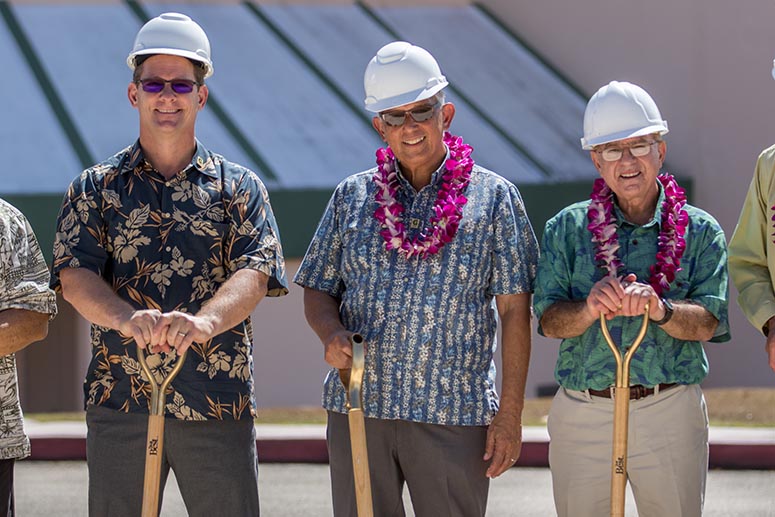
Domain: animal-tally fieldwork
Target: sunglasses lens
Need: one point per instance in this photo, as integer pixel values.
(182, 87)
(419, 115)
(423, 114)
(152, 86)
(394, 119)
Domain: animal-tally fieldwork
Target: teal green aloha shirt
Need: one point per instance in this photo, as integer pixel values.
(567, 271)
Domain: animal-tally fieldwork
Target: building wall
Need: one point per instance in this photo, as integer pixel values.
(707, 64)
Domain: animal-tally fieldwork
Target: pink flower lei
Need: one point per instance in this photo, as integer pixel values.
(671, 243)
(448, 208)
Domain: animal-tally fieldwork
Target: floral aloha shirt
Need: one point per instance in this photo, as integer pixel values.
(429, 323)
(169, 245)
(24, 281)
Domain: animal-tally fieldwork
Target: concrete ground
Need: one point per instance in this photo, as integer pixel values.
(46, 488)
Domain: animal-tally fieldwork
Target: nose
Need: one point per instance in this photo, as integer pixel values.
(627, 155)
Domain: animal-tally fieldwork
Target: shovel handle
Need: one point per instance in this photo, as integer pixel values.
(621, 394)
(154, 444)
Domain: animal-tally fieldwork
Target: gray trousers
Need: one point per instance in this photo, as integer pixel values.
(214, 461)
(441, 465)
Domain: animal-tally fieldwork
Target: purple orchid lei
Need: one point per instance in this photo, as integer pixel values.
(671, 243)
(448, 208)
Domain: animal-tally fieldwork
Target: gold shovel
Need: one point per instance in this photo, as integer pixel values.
(621, 394)
(155, 443)
(352, 380)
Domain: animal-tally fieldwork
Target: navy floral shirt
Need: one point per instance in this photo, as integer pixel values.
(169, 245)
(429, 323)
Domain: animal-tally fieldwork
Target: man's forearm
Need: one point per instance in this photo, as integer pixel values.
(690, 322)
(322, 313)
(515, 350)
(235, 300)
(566, 319)
(93, 298)
(19, 328)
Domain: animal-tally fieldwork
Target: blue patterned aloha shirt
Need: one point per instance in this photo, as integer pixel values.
(24, 281)
(429, 323)
(567, 271)
(169, 245)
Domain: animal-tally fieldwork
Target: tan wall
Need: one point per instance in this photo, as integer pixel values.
(707, 64)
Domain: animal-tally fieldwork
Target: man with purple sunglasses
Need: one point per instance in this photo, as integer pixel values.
(169, 247)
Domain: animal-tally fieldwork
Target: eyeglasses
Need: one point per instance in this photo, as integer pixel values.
(638, 149)
(421, 114)
(156, 84)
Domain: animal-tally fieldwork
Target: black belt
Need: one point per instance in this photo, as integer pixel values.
(637, 392)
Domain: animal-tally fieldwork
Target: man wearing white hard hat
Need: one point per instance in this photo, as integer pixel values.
(411, 254)
(752, 251)
(636, 241)
(169, 247)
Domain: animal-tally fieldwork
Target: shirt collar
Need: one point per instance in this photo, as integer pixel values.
(202, 160)
(435, 177)
(655, 219)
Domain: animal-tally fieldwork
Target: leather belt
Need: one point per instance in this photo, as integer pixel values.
(637, 391)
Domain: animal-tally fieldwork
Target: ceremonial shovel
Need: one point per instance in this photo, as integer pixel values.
(155, 443)
(621, 393)
(352, 380)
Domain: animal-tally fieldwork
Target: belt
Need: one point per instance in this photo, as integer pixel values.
(637, 392)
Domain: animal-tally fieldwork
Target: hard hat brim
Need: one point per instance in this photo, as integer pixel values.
(130, 60)
(588, 145)
(400, 100)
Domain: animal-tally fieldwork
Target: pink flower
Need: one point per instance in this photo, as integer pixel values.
(671, 243)
(447, 210)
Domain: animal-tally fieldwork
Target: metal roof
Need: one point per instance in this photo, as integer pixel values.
(286, 97)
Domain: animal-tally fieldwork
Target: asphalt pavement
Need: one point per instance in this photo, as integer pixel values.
(45, 488)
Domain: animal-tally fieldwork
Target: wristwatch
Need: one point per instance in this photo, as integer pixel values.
(668, 312)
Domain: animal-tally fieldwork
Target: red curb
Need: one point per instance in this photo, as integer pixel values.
(534, 454)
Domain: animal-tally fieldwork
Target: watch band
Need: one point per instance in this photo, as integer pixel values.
(668, 312)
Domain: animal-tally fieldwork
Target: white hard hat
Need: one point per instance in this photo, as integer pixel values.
(620, 110)
(401, 73)
(174, 34)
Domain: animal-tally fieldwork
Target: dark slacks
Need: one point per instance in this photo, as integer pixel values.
(214, 461)
(441, 465)
(6, 488)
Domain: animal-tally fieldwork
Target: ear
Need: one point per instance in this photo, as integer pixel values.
(204, 94)
(376, 122)
(662, 152)
(447, 114)
(131, 93)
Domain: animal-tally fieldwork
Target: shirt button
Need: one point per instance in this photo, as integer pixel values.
(166, 214)
(168, 249)
(168, 183)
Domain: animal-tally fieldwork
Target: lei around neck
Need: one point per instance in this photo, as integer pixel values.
(447, 210)
(671, 243)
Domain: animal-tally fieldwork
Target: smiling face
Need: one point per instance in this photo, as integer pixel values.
(632, 178)
(166, 113)
(418, 146)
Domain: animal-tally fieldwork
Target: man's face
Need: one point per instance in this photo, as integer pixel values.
(414, 143)
(166, 110)
(632, 178)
